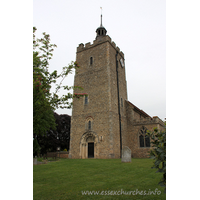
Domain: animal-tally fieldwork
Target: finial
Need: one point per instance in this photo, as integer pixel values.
(101, 16)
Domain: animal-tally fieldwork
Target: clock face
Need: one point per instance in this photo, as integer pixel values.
(122, 62)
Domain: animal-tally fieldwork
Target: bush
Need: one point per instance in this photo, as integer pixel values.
(159, 153)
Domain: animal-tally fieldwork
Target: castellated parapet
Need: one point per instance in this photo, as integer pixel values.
(99, 41)
(148, 120)
(136, 116)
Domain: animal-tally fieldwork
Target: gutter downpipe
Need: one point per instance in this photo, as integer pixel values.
(120, 126)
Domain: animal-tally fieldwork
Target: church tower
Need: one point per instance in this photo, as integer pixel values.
(98, 120)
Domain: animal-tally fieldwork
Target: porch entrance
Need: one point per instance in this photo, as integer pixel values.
(89, 145)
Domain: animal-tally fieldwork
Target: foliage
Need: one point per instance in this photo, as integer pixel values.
(65, 150)
(45, 101)
(159, 152)
(56, 138)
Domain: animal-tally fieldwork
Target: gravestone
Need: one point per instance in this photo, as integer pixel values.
(126, 154)
(35, 161)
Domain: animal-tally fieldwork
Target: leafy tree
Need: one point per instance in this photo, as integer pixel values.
(46, 101)
(56, 138)
(159, 152)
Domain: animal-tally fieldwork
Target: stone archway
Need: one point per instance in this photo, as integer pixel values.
(89, 145)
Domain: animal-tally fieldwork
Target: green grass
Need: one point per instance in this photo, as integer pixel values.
(67, 178)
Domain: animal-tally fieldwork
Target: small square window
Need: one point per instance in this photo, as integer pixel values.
(91, 60)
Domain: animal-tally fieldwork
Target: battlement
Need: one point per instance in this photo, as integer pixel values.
(98, 41)
(137, 116)
(149, 120)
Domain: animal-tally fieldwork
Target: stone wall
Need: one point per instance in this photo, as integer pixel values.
(62, 154)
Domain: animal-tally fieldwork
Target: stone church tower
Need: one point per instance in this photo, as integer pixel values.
(96, 130)
(104, 121)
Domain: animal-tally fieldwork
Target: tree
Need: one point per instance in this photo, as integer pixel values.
(44, 100)
(56, 138)
(159, 152)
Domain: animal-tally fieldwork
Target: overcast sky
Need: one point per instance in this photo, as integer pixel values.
(138, 27)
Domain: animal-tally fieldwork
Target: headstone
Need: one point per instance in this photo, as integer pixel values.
(35, 161)
(126, 154)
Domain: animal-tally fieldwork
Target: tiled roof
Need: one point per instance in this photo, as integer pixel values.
(135, 108)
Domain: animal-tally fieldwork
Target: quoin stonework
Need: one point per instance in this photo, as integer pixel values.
(104, 121)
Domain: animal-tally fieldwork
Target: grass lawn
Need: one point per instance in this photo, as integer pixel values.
(67, 178)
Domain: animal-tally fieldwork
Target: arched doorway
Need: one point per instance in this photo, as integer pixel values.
(88, 145)
(90, 149)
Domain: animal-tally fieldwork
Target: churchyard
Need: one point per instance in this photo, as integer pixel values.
(97, 179)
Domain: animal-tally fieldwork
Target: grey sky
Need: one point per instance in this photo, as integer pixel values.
(138, 27)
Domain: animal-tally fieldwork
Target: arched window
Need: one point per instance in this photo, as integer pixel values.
(89, 125)
(141, 141)
(143, 138)
(147, 141)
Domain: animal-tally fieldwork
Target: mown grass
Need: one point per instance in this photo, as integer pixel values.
(67, 178)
